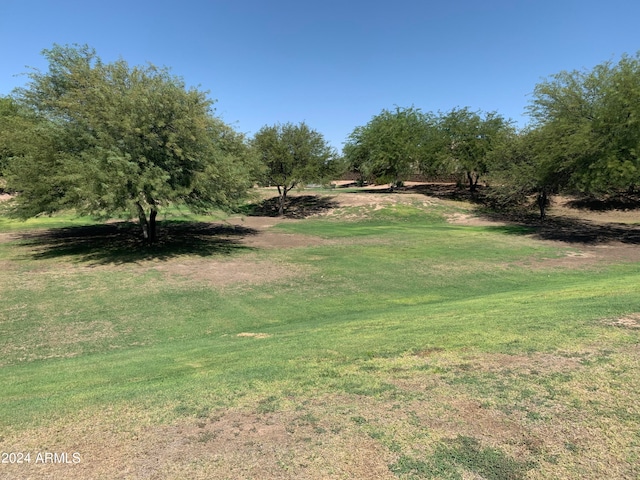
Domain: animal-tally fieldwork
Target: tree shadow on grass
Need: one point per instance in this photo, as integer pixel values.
(566, 229)
(616, 202)
(121, 242)
(299, 206)
(450, 191)
(447, 191)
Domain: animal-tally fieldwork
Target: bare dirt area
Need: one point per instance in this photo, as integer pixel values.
(631, 321)
(222, 273)
(583, 256)
(8, 237)
(472, 220)
(234, 444)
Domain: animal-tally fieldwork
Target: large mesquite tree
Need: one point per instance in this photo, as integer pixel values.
(116, 138)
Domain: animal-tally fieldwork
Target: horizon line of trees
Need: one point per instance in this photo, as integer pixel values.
(109, 139)
(584, 138)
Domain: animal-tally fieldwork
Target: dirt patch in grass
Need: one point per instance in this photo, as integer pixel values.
(631, 321)
(253, 335)
(221, 273)
(283, 240)
(233, 444)
(588, 256)
(8, 237)
(472, 220)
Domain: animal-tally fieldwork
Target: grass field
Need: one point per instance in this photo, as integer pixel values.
(373, 339)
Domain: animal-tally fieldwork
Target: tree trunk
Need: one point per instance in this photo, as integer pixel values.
(153, 231)
(283, 198)
(149, 226)
(144, 223)
(473, 183)
(543, 201)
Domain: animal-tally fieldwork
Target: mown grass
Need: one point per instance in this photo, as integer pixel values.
(392, 285)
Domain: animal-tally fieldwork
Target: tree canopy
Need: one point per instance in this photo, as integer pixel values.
(584, 138)
(293, 155)
(469, 139)
(115, 138)
(392, 146)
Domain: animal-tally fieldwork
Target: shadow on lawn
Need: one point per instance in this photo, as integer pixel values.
(565, 229)
(122, 242)
(300, 206)
(448, 191)
(574, 230)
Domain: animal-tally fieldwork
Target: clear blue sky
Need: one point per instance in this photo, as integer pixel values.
(333, 64)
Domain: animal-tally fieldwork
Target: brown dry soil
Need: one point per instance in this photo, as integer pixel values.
(350, 436)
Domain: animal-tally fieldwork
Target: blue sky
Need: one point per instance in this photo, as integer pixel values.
(333, 64)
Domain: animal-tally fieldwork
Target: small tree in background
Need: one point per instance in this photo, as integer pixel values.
(468, 141)
(293, 155)
(392, 146)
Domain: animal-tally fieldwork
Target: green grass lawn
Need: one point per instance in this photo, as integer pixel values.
(395, 310)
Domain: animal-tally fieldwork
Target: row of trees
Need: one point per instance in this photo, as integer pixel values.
(108, 139)
(397, 144)
(584, 138)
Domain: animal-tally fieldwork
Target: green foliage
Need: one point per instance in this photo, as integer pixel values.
(584, 138)
(518, 171)
(396, 144)
(294, 155)
(114, 138)
(17, 128)
(469, 140)
(392, 146)
(587, 124)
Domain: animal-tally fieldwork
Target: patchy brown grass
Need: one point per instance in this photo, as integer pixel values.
(631, 321)
(586, 256)
(235, 444)
(472, 220)
(58, 340)
(556, 412)
(253, 335)
(222, 273)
